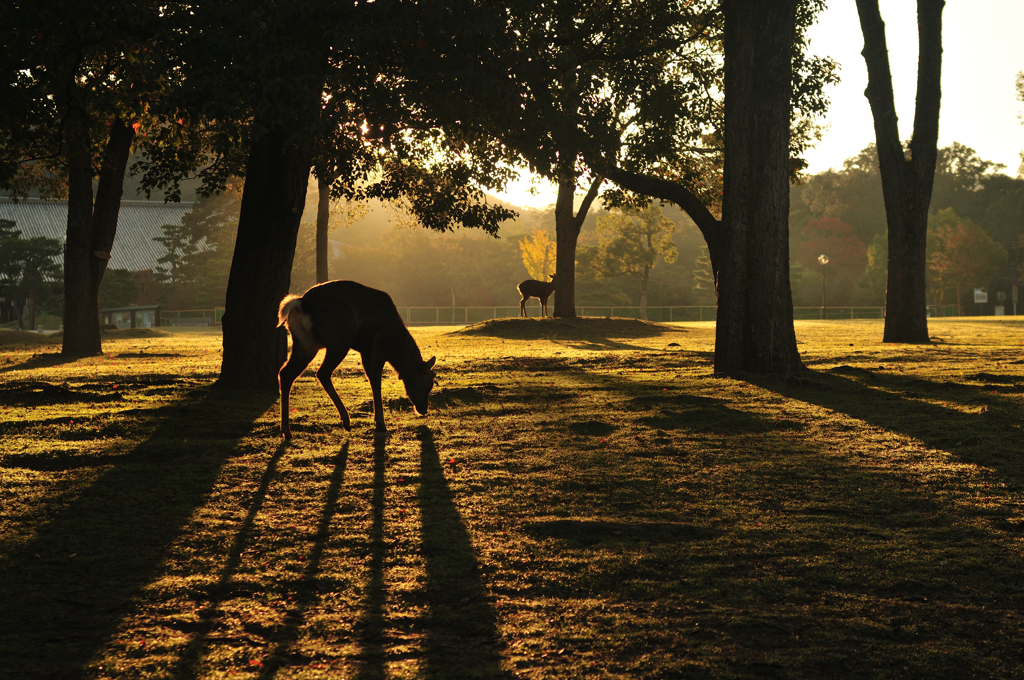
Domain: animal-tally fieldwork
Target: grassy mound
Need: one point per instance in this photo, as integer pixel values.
(584, 328)
(121, 334)
(24, 338)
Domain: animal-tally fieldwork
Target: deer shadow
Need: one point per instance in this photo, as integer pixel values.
(461, 635)
(463, 640)
(307, 589)
(370, 630)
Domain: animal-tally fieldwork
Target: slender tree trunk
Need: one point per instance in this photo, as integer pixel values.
(568, 223)
(268, 224)
(323, 218)
(906, 182)
(754, 332)
(32, 309)
(91, 228)
(645, 277)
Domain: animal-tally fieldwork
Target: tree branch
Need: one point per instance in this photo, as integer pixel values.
(929, 92)
(676, 193)
(879, 91)
(588, 200)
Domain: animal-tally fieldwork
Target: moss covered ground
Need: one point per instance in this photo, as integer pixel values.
(584, 499)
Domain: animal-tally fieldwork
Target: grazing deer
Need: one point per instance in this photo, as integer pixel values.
(538, 289)
(344, 315)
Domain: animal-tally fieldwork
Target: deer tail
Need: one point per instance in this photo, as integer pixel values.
(289, 303)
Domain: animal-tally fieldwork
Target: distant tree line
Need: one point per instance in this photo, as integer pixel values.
(841, 213)
(975, 238)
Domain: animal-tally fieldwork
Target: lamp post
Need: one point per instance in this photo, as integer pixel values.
(823, 259)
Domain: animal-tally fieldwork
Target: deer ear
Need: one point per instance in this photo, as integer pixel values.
(430, 363)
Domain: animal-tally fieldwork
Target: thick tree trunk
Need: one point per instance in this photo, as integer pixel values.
(91, 228)
(323, 218)
(268, 224)
(906, 182)
(567, 231)
(568, 223)
(755, 306)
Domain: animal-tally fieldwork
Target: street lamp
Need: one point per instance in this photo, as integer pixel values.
(823, 259)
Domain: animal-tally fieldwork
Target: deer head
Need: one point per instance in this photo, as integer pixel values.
(419, 384)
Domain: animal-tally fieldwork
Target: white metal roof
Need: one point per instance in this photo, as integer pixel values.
(138, 222)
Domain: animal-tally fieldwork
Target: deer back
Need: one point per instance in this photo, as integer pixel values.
(350, 315)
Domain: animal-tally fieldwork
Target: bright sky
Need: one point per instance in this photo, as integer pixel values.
(983, 50)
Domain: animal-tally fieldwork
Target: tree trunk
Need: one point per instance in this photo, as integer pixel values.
(323, 218)
(91, 228)
(643, 292)
(754, 332)
(906, 183)
(19, 309)
(568, 223)
(276, 176)
(32, 309)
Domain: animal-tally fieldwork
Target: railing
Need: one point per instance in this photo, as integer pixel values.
(215, 315)
(453, 316)
(460, 316)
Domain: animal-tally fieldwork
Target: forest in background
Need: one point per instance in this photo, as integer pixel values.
(975, 236)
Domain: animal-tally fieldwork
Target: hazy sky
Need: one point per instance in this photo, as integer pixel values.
(983, 50)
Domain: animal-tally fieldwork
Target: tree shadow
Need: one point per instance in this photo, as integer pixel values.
(893, 402)
(463, 639)
(64, 591)
(43, 360)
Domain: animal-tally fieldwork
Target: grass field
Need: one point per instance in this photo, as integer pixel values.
(584, 499)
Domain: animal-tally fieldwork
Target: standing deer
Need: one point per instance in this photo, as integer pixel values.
(538, 289)
(344, 315)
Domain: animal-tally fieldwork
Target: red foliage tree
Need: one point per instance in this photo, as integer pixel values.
(833, 237)
(847, 255)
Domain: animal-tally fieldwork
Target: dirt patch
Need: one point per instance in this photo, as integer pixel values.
(585, 328)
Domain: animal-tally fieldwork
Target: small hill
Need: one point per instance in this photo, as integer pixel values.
(583, 328)
(25, 339)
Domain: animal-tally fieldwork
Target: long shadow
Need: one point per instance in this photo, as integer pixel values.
(306, 587)
(888, 401)
(63, 592)
(209, 615)
(370, 630)
(42, 360)
(463, 639)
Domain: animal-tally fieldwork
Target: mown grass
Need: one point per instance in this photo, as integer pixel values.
(584, 500)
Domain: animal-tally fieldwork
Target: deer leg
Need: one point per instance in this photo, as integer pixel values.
(522, 309)
(297, 362)
(374, 368)
(331, 360)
